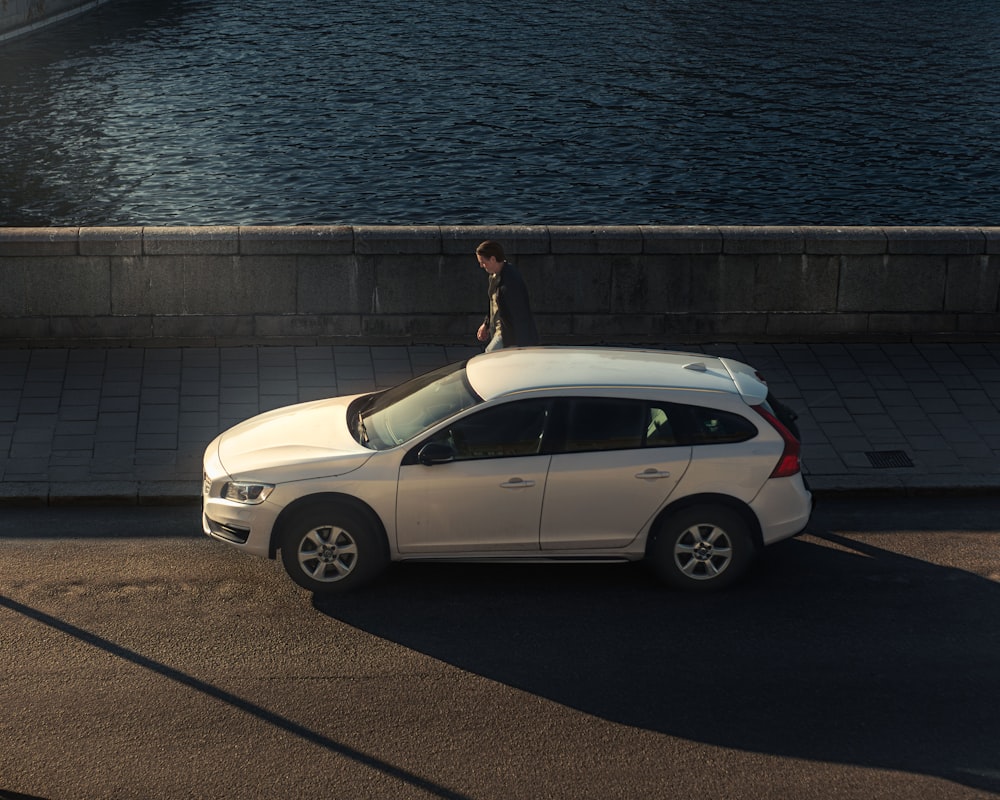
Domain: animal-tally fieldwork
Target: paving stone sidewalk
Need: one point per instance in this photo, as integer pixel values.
(129, 425)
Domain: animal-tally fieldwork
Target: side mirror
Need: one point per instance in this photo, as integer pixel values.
(435, 453)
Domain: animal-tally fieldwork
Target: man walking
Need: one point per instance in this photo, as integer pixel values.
(509, 322)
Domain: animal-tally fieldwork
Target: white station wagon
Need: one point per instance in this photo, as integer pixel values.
(526, 454)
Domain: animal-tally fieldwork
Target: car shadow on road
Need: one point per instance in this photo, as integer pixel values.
(833, 650)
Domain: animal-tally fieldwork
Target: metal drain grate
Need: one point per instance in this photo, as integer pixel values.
(887, 459)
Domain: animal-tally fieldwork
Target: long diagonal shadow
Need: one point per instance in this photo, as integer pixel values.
(850, 654)
(246, 706)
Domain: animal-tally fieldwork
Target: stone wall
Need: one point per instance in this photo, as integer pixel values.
(388, 285)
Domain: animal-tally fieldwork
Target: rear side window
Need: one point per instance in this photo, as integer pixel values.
(594, 424)
(711, 426)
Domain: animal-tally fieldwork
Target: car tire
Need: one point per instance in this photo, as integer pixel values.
(332, 548)
(702, 548)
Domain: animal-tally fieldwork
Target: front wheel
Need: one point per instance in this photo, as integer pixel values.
(328, 549)
(701, 548)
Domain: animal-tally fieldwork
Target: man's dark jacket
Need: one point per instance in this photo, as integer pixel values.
(516, 321)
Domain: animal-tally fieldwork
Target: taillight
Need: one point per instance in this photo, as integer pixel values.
(789, 463)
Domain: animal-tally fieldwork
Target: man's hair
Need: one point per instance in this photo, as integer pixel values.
(490, 249)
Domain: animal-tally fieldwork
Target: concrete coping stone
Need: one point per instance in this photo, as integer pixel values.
(935, 240)
(397, 239)
(517, 240)
(992, 236)
(602, 240)
(184, 240)
(39, 241)
(296, 240)
(855, 241)
(681, 239)
(111, 241)
(757, 239)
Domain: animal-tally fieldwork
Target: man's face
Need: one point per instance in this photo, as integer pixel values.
(491, 265)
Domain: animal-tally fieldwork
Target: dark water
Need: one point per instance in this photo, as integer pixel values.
(204, 112)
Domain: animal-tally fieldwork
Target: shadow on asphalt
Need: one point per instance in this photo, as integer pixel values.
(833, 650)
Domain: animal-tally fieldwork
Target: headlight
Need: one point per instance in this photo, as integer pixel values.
(248, 493)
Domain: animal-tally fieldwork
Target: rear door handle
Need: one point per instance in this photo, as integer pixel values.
(517, 483)
(652, 474)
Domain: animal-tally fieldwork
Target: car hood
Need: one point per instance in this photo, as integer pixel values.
(299, 441)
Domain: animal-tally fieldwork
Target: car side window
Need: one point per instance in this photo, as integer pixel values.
(601, 423)
(661, 427)
(711, 426)
(511, 429)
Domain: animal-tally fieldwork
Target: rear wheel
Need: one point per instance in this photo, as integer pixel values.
(331, 548)
(701, 548)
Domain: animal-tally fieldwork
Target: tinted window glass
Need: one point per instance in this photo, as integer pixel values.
(598, 423)
(710, 426)
(513, 429)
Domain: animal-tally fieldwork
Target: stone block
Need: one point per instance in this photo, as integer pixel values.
(599, 328)
(654, 284)
(796, 283)
(437, 327)
(333, 284)
(578, 285)
(912, 324)
(724, 284)
(275, 326)
(973, 284)
(397, 240)
(991, 235)
(986, 324)
(680, 239)
(24, 328)
(208, 240)
(202, 327)
(296, 240)
(104, 327)
(892, 284)
(714, 327)
(408, 284)
(239, 285)
(148, 285)
(934, 240)
(13, 298)
(71, 286)
(806, 327)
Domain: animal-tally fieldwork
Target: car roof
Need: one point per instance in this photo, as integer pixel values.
(522, 369)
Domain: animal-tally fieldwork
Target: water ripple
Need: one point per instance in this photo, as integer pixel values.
(461, 112)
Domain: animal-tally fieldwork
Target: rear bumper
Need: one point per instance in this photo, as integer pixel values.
(784, 507)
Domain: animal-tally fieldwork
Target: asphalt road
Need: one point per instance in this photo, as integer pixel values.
(141, 660)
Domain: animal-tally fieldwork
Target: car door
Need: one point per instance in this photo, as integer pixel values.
(617, 465)
(489, 497)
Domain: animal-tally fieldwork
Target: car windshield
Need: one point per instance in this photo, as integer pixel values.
(392, 417)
